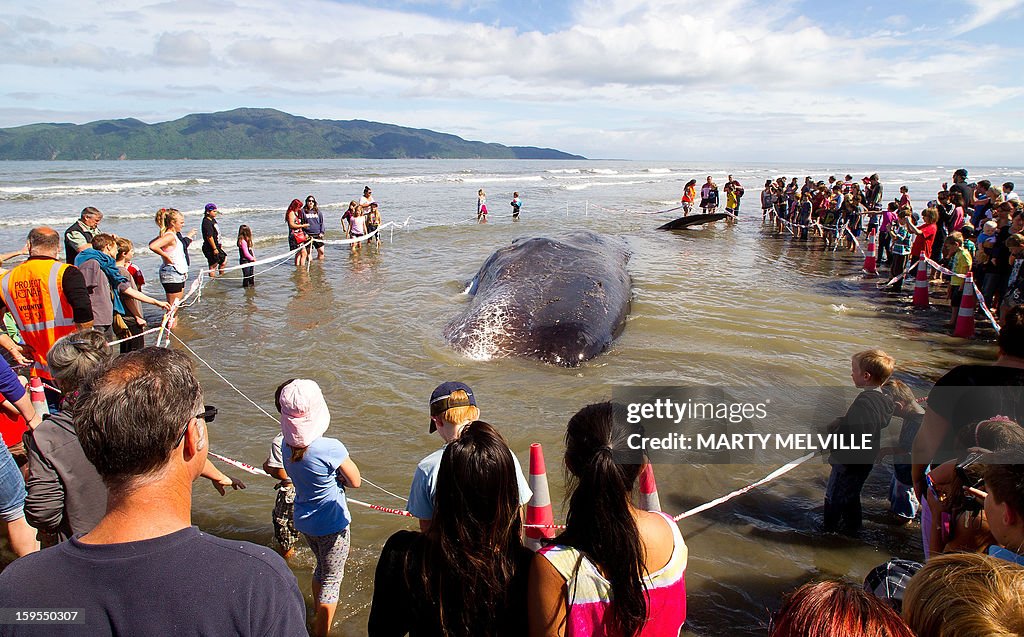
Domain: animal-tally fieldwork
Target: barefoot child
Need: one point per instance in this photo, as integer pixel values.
(516, 205)
(960, 264)
(481, 206)
(900, 247)
(246, 254)
(869, 414)
(321, 470)
(373, 221)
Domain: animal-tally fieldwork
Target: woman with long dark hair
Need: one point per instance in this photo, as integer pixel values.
(615, 570)
(467, 575)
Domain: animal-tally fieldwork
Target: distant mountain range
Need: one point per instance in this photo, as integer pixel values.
(248, 133)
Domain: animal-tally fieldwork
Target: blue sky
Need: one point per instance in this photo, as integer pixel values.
(745, 80)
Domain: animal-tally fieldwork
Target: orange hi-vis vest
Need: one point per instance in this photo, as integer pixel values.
(34, 295)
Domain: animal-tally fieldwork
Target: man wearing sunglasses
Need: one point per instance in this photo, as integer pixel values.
(144, 569)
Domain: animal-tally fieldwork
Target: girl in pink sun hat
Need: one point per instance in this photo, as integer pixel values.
(320, 468)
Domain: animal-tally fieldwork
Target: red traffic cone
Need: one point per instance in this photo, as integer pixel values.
(38, 394)
(921, 284)
(965, 317)
(649, 500)
(538, 510)
(869, 257)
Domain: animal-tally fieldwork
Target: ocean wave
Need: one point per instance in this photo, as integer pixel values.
(563, 171)
(68, 220)
(111, 217)
(405, 179)
(649, 177)
(38, 221)
(112, 187)
(658, 171)
(494, 179)
(336, 180)
(602, 171)
(603, 183)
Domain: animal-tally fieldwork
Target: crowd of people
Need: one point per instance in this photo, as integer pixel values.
(710, 198)
(103, 482)
(109, 489)
(967, 228)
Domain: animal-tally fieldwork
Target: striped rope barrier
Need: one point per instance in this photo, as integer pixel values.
(260, 472)
(977, 291)
(900, 276)
(784, 469)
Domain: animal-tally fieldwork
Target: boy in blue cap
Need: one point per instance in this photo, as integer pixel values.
(452, 407)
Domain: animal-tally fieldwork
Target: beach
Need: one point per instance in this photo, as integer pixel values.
(729, 305)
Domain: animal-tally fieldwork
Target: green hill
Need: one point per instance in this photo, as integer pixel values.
(248, 133)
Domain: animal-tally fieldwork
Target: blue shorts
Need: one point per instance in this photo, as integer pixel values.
(12, 488)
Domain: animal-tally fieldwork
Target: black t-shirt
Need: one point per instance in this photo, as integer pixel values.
(185, 583)
(967, 191)
(399, 609)
(968, 394)
(210, 229)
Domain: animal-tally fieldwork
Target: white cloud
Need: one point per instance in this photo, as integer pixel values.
(626, 78)
(182, 49)
(986, 12)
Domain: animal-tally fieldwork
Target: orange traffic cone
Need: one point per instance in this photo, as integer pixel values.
(38, 394)
(869, 257)
(921, 284)
(538, 510)
(965, 317)
(649, 500)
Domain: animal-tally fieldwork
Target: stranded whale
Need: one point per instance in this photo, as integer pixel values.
(561, 301)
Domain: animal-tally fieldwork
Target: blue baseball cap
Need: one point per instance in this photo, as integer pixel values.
(441, 399)
(211, 206)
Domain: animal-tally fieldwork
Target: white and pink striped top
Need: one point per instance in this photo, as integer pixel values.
(590, 593)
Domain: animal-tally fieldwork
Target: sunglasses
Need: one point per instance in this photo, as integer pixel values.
(207, 415)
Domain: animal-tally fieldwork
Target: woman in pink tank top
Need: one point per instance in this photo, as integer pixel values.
(610, 550)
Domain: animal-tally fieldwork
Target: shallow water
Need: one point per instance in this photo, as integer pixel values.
(730, 305)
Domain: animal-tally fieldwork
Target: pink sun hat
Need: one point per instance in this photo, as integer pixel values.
(304, 413)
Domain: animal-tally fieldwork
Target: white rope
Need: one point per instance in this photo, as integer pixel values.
(221, 376)
(786, 468)
(254, 274)
(367, 481)
(260, 262)
(139, 335)
(354, 240)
